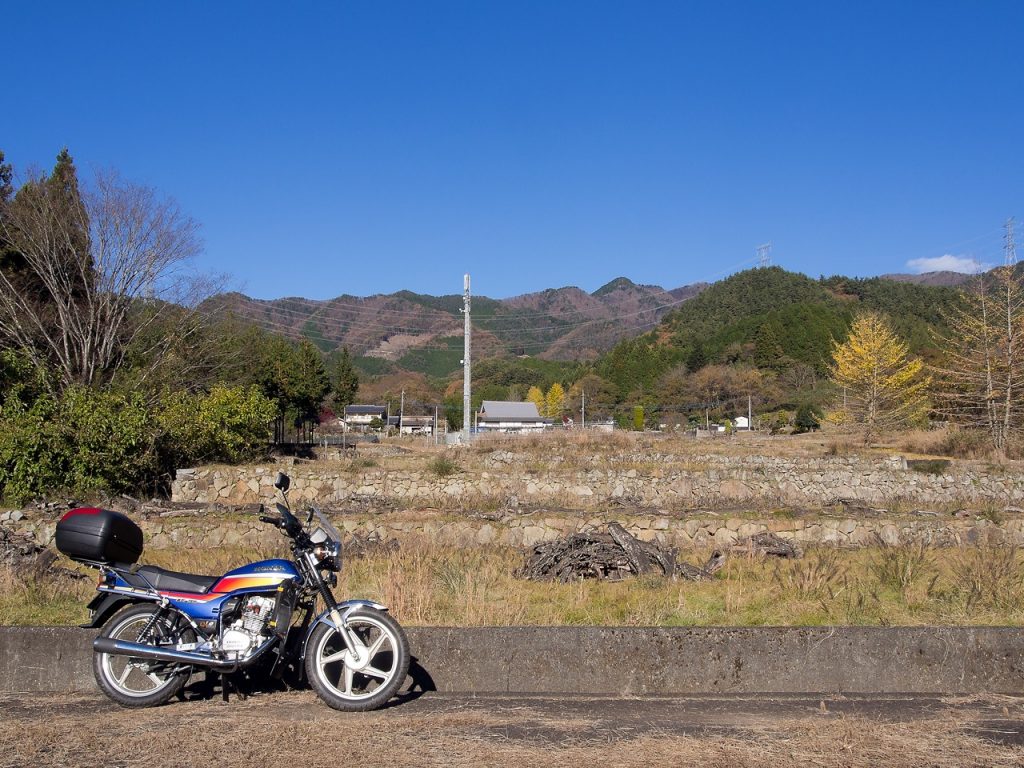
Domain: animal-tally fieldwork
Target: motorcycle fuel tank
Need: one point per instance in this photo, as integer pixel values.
(255, 576)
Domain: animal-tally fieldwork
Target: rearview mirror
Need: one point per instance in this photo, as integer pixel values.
(283, 482)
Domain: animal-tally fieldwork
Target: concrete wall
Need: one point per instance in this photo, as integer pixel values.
(626, 661)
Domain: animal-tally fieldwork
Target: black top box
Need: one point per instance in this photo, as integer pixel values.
(99, 536)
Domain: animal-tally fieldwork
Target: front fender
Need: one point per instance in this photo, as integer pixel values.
(345, 608)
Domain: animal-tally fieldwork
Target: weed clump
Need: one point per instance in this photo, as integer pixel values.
(443, 466)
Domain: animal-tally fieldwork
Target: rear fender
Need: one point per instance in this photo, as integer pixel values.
(104, 605)
(345, 609)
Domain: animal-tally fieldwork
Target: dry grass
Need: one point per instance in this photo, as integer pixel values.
(265, 730)
(36, 601)
(924, 442)
(432, 585)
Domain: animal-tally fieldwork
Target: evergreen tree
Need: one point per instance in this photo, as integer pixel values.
(6, 180)
(61, 219)
(310, 384)
(9, 257)
(697, 358)
(882, 387)
(345, 382)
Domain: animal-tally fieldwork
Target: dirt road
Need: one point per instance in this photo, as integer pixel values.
(294, 729)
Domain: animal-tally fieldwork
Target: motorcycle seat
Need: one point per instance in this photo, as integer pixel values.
(169, 581)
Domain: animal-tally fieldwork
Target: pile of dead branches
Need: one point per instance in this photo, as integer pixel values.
(612, 555)
(766, 544)
(20, 552)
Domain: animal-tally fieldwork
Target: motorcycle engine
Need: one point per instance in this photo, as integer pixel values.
(247, 630)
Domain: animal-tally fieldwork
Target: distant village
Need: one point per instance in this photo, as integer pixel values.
(494, 416)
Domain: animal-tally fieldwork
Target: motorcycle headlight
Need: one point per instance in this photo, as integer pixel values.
(328, 555)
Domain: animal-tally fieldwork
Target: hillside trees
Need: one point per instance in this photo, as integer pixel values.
(600, 397)
(980, 378)
(882, 386)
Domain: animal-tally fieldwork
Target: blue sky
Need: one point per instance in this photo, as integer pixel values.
(368, 147)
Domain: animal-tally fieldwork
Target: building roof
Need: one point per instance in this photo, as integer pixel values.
(509, 411)
(410, 420)
(365, 410)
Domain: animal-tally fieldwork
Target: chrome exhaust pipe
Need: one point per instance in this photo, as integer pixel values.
(141, 651)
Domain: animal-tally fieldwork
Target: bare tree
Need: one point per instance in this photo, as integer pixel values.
(103, 274)
(981, 377)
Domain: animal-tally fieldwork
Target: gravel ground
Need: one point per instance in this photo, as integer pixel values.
(435, 729)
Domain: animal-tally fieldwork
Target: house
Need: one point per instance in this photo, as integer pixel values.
(508, 416)
(412, 425)
(359, 417)
(741, 422)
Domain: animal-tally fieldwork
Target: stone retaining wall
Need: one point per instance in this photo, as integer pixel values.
(201, 531)
(649, 481)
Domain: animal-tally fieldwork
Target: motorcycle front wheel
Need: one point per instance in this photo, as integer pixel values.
(351, 683)
(133, 682)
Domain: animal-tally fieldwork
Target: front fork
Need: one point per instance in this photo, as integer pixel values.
(337, 616)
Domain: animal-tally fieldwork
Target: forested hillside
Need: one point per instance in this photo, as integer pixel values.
(765, 334)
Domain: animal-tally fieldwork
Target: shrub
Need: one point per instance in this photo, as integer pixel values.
(928, 466)
(442, 466)
(966, 444)
(83, 441)
(808, 419)
(88, 440)
(229, 424)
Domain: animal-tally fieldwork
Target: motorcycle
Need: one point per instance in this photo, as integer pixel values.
(159, 627)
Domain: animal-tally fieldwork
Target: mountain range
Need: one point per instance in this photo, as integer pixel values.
(422, 333)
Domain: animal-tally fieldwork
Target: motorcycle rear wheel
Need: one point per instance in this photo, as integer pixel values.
(342, 683)
(133, 682)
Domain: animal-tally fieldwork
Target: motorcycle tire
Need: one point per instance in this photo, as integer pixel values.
(133, 682)
(351, 687)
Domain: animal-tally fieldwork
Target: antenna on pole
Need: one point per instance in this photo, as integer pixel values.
(1009, 247)
(466, 368)
(764, 258)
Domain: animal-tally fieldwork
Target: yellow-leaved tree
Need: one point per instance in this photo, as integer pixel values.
(881, 386)
(536, 396)
(555, 401)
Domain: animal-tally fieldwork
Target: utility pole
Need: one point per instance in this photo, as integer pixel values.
(401, 413)
(583, 410)
(435, 425)
(466, 367)
(750, 414)
(764, 258)
(1009, 248)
